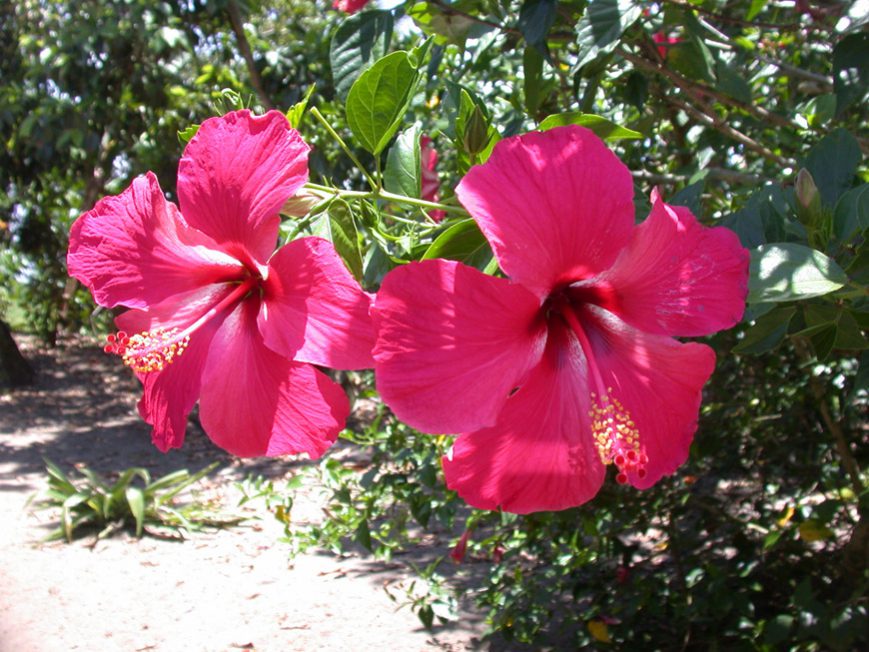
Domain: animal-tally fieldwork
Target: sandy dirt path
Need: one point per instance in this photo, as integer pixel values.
(221, 590)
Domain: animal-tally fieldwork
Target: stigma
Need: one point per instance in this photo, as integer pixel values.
(617, 437)
(150, 350)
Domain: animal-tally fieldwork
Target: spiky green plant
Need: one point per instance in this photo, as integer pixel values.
(91, 502)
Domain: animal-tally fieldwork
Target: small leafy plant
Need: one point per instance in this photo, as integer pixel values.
(133, 501)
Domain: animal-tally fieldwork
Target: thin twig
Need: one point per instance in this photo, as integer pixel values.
(343, 146)
(244, 47)
(697, 91)
(733, 20)
(722, 174)
(720, 124)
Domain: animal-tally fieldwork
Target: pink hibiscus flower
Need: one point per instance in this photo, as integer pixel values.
(430, 190)
(664, 43)
(571, 364)
(349, 6)
(216, 314)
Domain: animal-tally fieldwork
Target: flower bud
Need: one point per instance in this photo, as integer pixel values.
(476, 135)
(807, 191)
(300, 204)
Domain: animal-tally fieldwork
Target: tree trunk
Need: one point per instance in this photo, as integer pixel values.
(15, 371)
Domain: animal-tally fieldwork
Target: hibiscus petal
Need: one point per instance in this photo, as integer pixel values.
(236, 173)
(540, 455)
(134, 249)
(677, 277)
(658, 381)
(313, 309)
(169, 395)
(556, 206)
(452, 343)
(256, 402)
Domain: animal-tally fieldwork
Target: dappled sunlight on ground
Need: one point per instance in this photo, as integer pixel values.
(218, 590)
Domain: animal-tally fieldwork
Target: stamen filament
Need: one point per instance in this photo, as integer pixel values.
(615, 434)
(153, 350)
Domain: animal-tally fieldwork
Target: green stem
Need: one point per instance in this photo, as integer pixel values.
(379, 172)
(388, 196)
(343, 145)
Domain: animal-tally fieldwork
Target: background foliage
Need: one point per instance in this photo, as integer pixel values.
(751, 112)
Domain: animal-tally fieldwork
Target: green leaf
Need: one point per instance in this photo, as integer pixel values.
(166, 481)
(731, 83)
(186, 134)
(756, 7)
(379, 99)
(363, 535)
(462, 241)
(812, 530)
(377, 264)
(297, 111)
(764, 218)
(446, 26)
(136, 501)
(768, 332)
(788, 272)
(851, 215)
(599, 125)
(532, 82)
(419, 54)
(833, 328)
(637, 89)
(535, 21)
(360, 40)
(403, 164)
(339, 227)
(819, 110)
(778, 629)
(692, 58)
(833, 163)
(851, 70)
(602, 25)
(849, 335)
(57, 477)
(690, 196)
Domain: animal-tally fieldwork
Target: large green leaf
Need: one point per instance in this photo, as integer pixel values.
(360, 40)
(532, 80)
(599, 125)
(379, 99)
(851, 215)
(602, 25)
(851, 70)
(768, 332)
(464, 242)
(765, 218)
(733, 83)
(445, 25)
(403, 164)
(788, 272)
(833, 163)
(832, 327)
(535, 20)
(338, 226)
(692, 58)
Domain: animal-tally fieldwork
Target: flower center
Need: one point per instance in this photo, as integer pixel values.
(615, 434)
(155, 349)
(149, 350)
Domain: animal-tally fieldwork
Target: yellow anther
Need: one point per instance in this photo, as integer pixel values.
(616, 436)
(153, 350)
